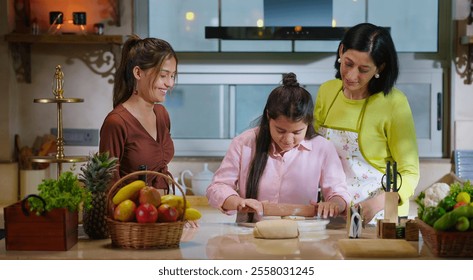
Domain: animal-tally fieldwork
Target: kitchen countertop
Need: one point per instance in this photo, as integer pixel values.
(217, 237)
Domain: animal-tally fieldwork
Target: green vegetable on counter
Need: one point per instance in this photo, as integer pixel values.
(463, 224)
(420, 203)
(458, 187)
(432, 214)
(436, 204)
(65, 192)
(450, 219)
(448, 202)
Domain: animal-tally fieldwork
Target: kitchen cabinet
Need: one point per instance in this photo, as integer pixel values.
(414, 24)
(233, 77)
(233, 101)
(171, 21)
(183, 23)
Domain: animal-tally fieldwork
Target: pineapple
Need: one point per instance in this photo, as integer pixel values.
(96, 176)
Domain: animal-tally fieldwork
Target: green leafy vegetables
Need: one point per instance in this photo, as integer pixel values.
(65, 192)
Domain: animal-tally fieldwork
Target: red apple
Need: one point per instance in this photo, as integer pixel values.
(167, 213)
(146, 213)
(149, 195)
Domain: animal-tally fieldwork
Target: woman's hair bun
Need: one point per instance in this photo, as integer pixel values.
(290, 79)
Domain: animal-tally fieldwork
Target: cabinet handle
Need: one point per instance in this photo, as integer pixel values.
(439, 111)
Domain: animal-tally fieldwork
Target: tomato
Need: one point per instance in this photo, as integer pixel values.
(459, 204)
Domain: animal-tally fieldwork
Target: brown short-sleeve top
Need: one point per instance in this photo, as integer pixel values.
(125, 138)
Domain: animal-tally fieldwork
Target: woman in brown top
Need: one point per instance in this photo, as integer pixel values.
(137, 130)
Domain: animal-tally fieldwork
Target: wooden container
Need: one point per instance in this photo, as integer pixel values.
(446, 243)
(412, 231)
(56, 230)
(386, 229)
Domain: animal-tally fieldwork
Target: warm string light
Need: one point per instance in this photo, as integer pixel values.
(190, 16)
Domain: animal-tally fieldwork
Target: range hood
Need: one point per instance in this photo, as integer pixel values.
(275, 33)
(278, 20)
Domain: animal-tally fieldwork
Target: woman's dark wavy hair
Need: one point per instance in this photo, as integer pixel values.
(148, 53)
(291, 101)
(377, 41)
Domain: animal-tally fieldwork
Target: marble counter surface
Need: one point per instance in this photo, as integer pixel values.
(217, 237)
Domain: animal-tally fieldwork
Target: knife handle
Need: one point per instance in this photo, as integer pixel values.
(395, 176)
(388, 176)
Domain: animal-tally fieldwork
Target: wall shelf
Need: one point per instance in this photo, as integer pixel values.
(20, 47)
(468, 40)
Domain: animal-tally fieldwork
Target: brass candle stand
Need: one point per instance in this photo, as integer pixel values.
(59, 99)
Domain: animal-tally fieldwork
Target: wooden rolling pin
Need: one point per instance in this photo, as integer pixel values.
(285, 209)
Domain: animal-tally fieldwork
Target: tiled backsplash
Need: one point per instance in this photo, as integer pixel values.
(195, 165)
(431, 171)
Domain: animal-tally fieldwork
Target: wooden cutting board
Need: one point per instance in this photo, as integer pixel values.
(377, 248)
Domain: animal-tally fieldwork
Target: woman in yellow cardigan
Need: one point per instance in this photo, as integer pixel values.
(369, 121)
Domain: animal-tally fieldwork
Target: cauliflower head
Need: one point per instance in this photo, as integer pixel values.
(435, 193)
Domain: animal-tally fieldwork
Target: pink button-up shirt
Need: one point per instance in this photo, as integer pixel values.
(292, 178)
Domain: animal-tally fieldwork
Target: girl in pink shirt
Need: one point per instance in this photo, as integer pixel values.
(282, 160)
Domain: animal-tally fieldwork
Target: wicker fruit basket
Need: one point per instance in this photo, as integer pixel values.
(133, 235)
(447, 243)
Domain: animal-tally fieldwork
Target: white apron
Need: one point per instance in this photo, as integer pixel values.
(364, 181)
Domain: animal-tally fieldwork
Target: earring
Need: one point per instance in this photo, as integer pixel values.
(376, 75)
(339, 60)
